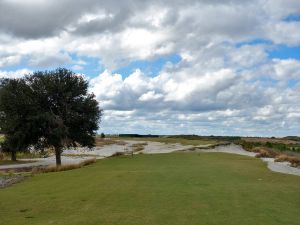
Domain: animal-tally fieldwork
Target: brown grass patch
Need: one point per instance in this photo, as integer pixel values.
(295, 161)
(108, 141)
(50, 169)
(117, 154)
(264, 153)
(138, 146)
(270, 140)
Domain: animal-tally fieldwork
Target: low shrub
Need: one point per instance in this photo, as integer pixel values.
(295, 161)
(88, 162)
(265, 153)
(139, 146)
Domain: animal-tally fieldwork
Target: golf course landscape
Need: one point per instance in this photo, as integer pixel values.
(150, 112)
(161, 189)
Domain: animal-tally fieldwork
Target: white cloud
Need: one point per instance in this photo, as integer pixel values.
(14, 74)
(220, 85)
(77, 67)
(149, 96)
(287, 69)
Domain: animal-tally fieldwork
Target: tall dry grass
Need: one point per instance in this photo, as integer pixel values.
(295, 161)
(50, 169)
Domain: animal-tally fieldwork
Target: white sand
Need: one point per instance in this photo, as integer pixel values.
(280, 167)
(46, 162)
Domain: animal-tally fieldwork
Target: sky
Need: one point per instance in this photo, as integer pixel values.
(206, 67)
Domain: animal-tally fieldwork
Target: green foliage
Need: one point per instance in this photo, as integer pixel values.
(17, 109)
(275, 146)
(50, 108)
(293, 138)
(2, 138)
(162, 189)
(68, 112)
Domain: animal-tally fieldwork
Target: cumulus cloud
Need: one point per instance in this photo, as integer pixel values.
(225, 83)
(14, 74)
(286, 69)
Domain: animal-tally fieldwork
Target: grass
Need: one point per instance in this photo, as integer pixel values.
(51, 169)
(100, 142)
(295, 161)
(280, 145)
(9, 162)
(80, 155)
(138, 147)
(163, 189)
(171, 140)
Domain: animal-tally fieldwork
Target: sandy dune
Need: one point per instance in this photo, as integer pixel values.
(77, 155)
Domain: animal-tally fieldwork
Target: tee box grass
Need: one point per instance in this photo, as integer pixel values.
(163, 189)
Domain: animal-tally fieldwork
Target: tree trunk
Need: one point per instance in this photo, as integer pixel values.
(13, 156)
(58, 155)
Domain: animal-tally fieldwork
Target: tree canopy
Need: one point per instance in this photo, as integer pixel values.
(55, 105)
(17, 112)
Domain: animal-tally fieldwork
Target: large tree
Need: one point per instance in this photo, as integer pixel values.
(68, 114)
(17, 116)
(57, 109)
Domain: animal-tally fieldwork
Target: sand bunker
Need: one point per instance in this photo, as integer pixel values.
(78, 155)
(281, 167)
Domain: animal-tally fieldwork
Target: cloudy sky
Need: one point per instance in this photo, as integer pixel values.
(222, 67)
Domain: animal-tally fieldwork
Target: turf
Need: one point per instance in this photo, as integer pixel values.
(170, 140)
(165, 189)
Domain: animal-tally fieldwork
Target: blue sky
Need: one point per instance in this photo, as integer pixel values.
(167, 67)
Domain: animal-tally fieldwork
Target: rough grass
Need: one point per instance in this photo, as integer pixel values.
(50, 169)
(9, 162)
(170, 140)
(99, 142)
(265, 153)
(138, 146)
(279, 157)
(163, 189)
(79, 155)
(295, 161)
(270, 140)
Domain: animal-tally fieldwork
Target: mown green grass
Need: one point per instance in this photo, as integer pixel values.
(164, 189)
(170, 140)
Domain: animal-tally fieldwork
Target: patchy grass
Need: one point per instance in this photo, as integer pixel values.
(295, 161)
(270, 140)
(107, 141)
(162, 189)
(281, 145)
(79, 155)
(32, 155)
(171, 140)
(9, 162)
(63, 167)
(138, 146)
(265, 153)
